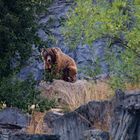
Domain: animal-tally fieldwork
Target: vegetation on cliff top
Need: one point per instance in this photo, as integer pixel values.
(119, 22)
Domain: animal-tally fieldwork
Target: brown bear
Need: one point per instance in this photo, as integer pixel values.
(64, 65)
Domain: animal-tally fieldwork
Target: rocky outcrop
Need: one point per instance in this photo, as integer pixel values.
(52, 21)
(50, 116)
(119, 116)
(12, 121)
(13, 117)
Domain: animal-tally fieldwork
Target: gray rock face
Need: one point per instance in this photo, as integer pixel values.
(53, 21)
(33, 137)
(83, 56)
(49, 118)
(29, 137)
(126, 120)
(12, 121)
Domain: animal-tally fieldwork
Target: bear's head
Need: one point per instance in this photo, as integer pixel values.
(49, 56)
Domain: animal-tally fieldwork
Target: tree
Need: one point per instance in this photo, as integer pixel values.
(119, 21)
(18, 32)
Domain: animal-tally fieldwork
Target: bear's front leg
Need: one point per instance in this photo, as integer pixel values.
(72, 74)
(69, 74)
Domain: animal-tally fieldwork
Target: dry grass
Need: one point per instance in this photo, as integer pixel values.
(134, 87)
(36, 123)
(73, 95)
(93, 91)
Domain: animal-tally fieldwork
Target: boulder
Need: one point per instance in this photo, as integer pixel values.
(72, 95)
(71, 125)
(13, 117)
(125, 121)
(95, 134)
(12, 121)
(50, 116)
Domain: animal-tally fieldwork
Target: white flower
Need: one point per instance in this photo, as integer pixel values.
(32, 107)
(4, 105)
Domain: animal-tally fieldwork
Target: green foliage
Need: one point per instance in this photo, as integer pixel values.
(23, 94)
(89, 22)
(49, 76)
(118, 21)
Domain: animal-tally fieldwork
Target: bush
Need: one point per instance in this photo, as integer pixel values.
(50, 75)
(23, 94)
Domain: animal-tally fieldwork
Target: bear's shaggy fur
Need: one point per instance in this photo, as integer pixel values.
(64, 65)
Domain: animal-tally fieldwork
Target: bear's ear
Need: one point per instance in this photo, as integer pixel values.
(43, 52)
(57, 53)
(56, 50)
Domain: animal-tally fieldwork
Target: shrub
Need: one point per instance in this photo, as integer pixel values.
(23, 94)
(49, 76)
